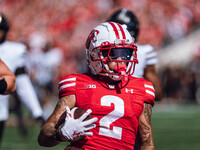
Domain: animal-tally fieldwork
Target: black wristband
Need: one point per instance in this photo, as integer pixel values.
(20, 70)
(3, 86)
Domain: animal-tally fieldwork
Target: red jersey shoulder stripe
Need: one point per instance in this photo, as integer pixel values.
(65, 80)
(67, 83)
(149, 89)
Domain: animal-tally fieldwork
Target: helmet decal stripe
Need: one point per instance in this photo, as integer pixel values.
(122, 30)
(115, 29)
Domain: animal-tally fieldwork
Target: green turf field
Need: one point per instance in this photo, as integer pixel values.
(174, 128)
(177, 127)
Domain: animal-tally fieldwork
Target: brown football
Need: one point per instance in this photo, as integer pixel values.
(76, 113)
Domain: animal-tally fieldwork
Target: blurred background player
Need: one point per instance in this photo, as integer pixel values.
(13, 55)
(43, 61)
(147, 57)
(7, 79)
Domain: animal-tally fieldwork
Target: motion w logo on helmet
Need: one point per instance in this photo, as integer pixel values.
(91, 37)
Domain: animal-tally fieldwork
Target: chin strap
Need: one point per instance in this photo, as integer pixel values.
(121, 69)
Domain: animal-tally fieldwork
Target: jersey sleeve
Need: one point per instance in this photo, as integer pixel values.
(67, 86)
(19, 52)
(149, 92)
(151, 55)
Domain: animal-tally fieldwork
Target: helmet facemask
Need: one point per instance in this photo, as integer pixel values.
(121, 53)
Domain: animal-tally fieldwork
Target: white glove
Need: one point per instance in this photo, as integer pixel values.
(77, 127)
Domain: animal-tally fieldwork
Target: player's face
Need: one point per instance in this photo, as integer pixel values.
(118, 54)
(115, 53)
(112, 64)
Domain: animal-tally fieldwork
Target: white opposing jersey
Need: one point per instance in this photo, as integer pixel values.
(146, 56)
(45, 64)
(13, 54)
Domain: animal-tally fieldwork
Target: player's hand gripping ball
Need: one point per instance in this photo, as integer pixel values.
(75, 113)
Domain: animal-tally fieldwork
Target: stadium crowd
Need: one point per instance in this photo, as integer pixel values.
(69, 21)
(64, 24)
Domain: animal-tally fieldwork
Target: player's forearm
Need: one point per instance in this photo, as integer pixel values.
(47, 137)
(147, 142)
(145, 129)
(147, 148)
(11, 84)
(146, 137)
(7, 84)
(7, 79)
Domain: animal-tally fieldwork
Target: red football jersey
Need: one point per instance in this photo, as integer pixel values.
(117, 107)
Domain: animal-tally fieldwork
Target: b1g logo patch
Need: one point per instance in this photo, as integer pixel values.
(90, 86)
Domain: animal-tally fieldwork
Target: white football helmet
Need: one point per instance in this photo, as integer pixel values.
(106, 43)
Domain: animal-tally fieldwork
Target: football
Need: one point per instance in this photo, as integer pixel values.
(76, 113)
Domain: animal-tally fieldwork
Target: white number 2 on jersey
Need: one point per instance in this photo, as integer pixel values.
(117, 113)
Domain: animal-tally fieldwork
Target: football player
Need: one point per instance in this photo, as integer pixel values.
(120, 104)
(13, 55)
(147, 56)
(7, 79)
